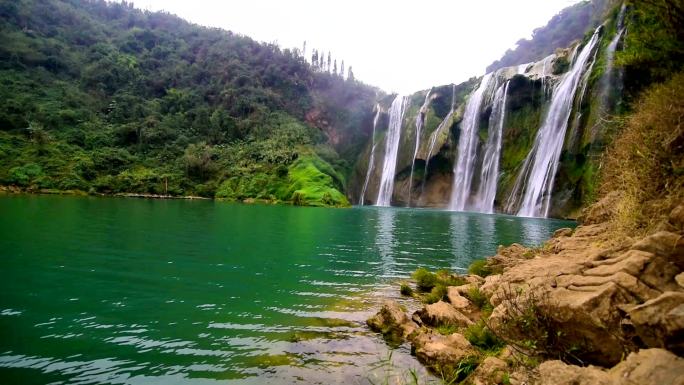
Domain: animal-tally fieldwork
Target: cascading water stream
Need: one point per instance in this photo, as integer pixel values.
(420, 121)
(486, 193)
(389, 164)
(612, 78)
(467, 146)
(545, 153)
(435, 134)
(371, 159)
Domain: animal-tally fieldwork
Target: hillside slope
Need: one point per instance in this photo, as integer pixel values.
(103, 97)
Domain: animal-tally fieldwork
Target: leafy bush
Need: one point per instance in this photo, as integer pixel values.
(480, 267)
(437, 294)
(481, 336)
(479, 299)
(24, 175)
(406, 290)
(425, 280)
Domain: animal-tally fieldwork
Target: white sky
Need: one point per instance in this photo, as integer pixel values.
(399, 46)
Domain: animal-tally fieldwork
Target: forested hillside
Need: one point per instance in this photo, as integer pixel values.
(103, 97)
(568, 25)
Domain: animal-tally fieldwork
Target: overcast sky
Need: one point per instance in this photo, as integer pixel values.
(399, 46)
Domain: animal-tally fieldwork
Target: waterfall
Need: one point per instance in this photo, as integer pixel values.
(467, 146)
(389, 165)
(486, 193)
(611, 77)
(420, 121)
(435, 134)
(371, 159)
(545, 153)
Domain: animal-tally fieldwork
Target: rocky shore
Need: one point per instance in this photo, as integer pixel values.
(588, 307)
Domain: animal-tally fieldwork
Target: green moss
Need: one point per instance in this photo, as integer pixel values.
(310, 185)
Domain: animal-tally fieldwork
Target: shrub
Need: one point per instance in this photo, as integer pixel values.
(406, 290)
(447, 279)
(645, 161)
(480, 267)
(24, 175)
(481, 336)
(479, 299)
(425, 280)
(436, 294)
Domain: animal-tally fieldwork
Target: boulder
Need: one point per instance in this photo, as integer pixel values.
(564, 232)
(442, 313)
(461, 303)
(646, 367)
(491, 371)
(676, 217)
(660, 322)
(649, 367)
(559, 373)
(600, 211)
(665, 244)
(392, 322)
(442, 353)
(680, 280)
(464, 289)
(490, 285)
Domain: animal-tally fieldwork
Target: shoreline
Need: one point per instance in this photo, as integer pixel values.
(590, 304)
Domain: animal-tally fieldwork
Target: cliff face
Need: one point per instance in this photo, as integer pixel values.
(529, 95)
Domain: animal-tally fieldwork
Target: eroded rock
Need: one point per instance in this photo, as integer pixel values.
(646, 367)
(442, 313)
(490, 372)
(392, 322)
(660, 321)
(441, 353)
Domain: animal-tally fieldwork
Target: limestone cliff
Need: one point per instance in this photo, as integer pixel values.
(530, 88)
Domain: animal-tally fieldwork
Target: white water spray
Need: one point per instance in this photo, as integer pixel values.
(545, 153)
(371, 159)
(389, 164)
(467, 148)
(486, 193)
(420, 122)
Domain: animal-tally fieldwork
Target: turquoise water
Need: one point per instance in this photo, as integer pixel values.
(126, 291)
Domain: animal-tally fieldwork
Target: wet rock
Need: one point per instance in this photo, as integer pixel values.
(392, 322)
(442, 313)
(660, 321)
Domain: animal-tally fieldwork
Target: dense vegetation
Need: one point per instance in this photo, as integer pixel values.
(643, 168)
(567, 26)
(102, 97)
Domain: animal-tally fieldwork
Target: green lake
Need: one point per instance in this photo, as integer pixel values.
(132, 291)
